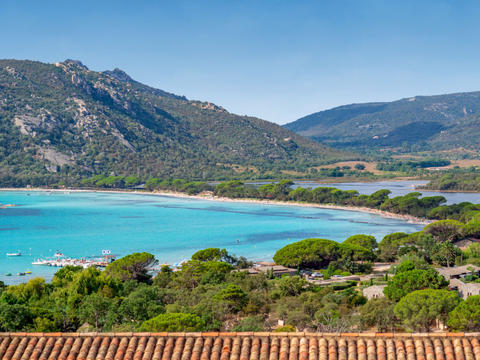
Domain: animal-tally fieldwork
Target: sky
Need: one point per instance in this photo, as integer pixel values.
(277, 60)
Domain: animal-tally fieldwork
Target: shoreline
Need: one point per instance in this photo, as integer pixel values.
(210, 197)
(450, 191)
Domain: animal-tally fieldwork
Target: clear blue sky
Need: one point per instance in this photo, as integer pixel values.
(278, 60)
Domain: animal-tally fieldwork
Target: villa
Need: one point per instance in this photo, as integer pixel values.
(458, 272)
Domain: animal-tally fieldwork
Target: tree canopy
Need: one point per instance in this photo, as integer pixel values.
(466, 315)
(406, 282)
(419, 309)
(132, 267)
(367, 241)
(308, 253)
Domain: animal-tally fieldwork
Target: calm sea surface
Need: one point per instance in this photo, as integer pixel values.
(398, 188)
(83, 224)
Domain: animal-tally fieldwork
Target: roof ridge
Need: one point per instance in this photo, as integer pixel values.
(238, 334)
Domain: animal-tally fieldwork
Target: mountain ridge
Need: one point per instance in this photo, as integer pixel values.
(420, 122)
(65, 119)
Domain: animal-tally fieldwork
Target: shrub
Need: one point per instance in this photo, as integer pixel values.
(285, 328)
(173, 322)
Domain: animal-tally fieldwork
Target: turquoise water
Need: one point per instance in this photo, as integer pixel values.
(82, 224)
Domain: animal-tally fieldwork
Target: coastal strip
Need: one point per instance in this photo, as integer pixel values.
(210, 197)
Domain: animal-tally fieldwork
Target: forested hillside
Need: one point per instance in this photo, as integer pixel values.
(65, 121)
(440, 122)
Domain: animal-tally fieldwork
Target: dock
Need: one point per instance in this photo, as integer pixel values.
(61, 261)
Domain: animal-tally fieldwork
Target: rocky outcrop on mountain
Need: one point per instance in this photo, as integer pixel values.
(64, 118)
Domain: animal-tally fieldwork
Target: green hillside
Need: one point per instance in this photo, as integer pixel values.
(428, 123)
(63, 121)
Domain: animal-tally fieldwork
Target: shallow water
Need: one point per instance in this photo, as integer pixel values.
(83, 224)
(397, 188)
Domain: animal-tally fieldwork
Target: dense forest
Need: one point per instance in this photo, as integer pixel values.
(64, 121)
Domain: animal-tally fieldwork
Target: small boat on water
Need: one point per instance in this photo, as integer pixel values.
(21, 274)
(18, 253)
(40, 262)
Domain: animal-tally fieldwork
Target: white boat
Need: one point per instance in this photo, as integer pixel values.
(18, 253)
(39, 262)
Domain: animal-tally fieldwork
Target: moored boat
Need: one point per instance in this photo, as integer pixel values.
(18, 253)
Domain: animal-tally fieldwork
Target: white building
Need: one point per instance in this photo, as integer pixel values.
(465, 289)
(374, 291)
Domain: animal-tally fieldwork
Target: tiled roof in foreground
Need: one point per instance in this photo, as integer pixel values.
(240, 346)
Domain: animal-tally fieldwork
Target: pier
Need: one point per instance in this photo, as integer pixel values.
(60, 260)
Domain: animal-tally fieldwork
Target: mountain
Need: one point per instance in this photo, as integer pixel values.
(65, 120)
(439, 122)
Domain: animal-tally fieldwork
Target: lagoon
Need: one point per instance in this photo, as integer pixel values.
(82, 224)
(397, 187)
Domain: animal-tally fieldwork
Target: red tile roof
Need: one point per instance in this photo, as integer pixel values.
(239, 346)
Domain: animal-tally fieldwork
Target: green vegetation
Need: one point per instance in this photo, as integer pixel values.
(410, 204)
(405, 282)
(419, 309)
(413, 204)
(61, 123)
(456, 180)
(466, 315)
(410, 166)
(212, 292)
(367, 241)
(285, 328)
(318, 253)
(421, 123)
(173, 322)
(132, 267)
(207, 293)
(416, 297)
(378, 313)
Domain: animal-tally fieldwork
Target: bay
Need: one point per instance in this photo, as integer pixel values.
(82, 224)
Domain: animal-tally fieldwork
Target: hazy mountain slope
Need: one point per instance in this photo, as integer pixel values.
(427, 122)
(65, 118)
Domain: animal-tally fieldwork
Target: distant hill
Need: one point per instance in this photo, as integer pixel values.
(439, 122)
(66, 120)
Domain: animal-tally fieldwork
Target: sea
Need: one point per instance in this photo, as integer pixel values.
(83, 224)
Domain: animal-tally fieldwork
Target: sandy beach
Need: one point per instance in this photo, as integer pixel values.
(210, 197)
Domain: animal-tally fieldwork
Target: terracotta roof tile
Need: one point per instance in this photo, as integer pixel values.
(239, 346)
(159, 347)
(274, 349)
